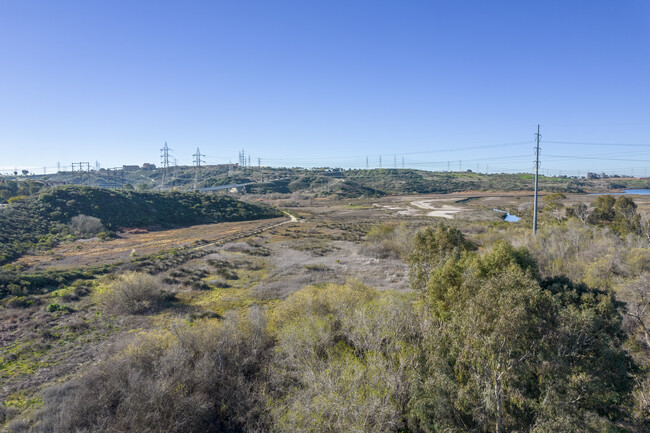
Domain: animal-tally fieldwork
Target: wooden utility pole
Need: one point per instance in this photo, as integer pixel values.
(537, 136)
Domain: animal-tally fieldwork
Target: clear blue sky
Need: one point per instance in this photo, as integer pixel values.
(317, 83)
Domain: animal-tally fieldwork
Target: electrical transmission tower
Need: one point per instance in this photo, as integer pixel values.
(242, 158)
(537, 137)
(115, 177)
(164, 160)
(79, 168)
(198, 160)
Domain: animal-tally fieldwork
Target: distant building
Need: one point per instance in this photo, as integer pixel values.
(147, 166)
(130, 167)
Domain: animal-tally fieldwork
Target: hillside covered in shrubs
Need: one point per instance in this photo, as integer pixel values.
(484, 343)
(335, 182)
(41, 220)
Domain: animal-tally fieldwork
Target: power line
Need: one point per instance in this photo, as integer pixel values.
(453, 149)
(583, 143)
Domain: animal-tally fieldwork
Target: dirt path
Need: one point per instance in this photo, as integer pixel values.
(245, 234)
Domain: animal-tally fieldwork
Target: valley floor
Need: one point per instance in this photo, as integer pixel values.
(214, 269)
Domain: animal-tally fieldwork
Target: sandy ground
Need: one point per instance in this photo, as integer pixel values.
(437, 210)
(436, 207)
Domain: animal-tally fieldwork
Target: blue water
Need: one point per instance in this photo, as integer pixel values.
(637, 191)
(626, 192)
(509, 217)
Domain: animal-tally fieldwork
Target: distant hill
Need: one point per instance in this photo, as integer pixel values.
(332, 182)
(381, 182)
(41, 219)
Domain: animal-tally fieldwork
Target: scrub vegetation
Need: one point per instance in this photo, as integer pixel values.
(353, 318)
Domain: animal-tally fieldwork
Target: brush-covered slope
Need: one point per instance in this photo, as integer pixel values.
(42, 218)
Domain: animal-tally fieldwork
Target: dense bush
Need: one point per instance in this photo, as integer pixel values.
(390, 241)
(506, 352)
(134, 293)
(343, 360)
(197, 378)
(86, 225)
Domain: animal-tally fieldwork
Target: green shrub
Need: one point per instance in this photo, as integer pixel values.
(21, 302)
(54, 307)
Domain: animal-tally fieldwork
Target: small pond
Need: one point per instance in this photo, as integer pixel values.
(509, 217)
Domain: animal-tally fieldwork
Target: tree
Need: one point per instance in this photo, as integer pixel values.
(637, 293)
(644, 226)
(433, 246)
(553, 205)
(580, 211)
(625, 217)
(603, 212)
(507, 352)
